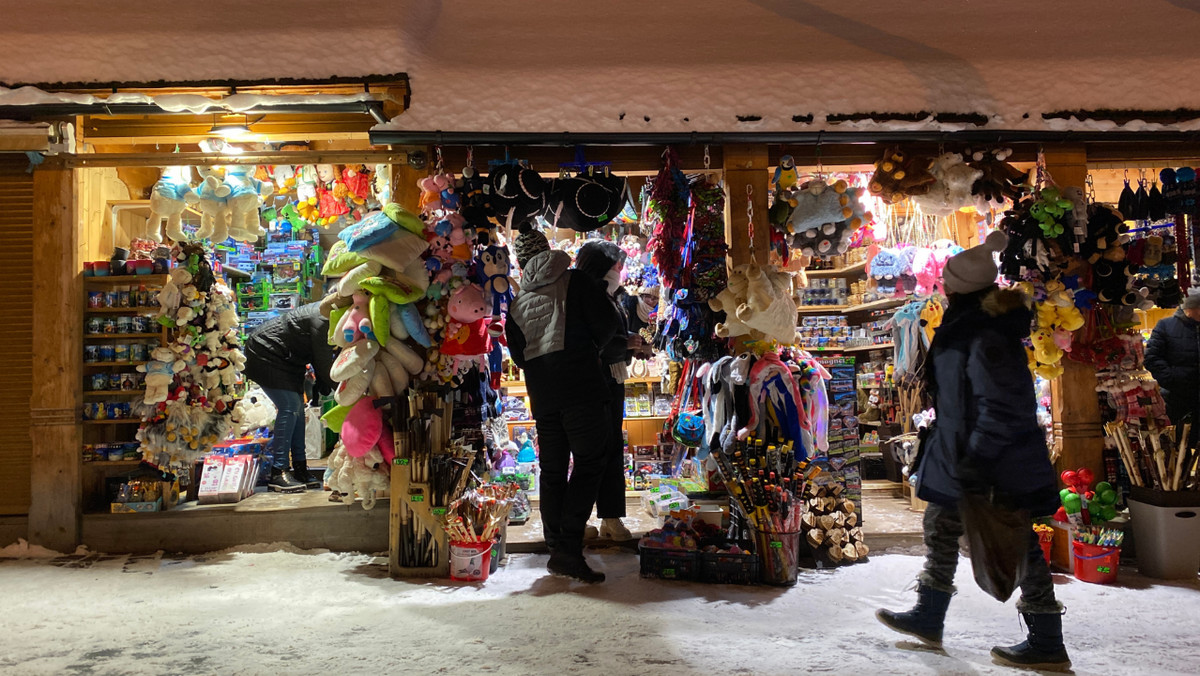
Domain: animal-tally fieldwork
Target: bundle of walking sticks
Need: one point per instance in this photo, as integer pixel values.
(1158, 459)
(480, 514)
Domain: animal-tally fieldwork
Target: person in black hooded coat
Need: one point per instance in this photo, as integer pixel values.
(1173, 358)
(986, 437)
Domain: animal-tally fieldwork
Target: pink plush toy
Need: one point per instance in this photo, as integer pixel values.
(466, 337)
(356, 323)
(363, 427)
(431, 192)
(925, 269)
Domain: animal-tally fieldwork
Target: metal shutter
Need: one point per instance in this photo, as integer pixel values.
(16, 331)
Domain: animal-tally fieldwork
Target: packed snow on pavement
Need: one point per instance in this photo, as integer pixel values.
(273, 609)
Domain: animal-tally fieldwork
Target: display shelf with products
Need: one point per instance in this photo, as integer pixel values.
(851, 271)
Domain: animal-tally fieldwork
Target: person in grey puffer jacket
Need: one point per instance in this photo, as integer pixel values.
(556, 326)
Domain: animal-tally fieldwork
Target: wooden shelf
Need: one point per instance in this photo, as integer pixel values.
(125, 279)
(646, 417)
(111, 336)
(859, 348)
(140, 309)
(850, 271)
(821, 309)
(113, 363)
(101, 464)
(648, 380)
(122, 421)
(877, 305)
(105, 394)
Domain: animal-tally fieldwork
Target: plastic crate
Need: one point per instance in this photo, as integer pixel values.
(668, 564)
(726, 568)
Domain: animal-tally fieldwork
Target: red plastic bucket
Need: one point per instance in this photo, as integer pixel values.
(470, 561)
(1096, 564)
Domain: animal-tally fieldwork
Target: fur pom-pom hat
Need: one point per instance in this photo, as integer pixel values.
(974, 269)
(529, 243)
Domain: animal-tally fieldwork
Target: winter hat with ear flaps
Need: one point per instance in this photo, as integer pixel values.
(528, 244)
(580, 204)
(974, 269)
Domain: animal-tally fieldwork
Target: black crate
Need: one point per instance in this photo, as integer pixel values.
(726, 568)
(668, 564)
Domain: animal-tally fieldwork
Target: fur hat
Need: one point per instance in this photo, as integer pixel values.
(974, 269)
(529, 243)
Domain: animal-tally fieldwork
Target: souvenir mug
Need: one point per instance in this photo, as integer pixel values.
(91, 353)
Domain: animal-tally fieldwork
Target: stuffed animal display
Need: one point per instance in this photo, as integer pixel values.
(190, 383)
(899, 174)
(168, 199)
(759, 302)
(951, 187)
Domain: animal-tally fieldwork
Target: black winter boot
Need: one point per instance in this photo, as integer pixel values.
(1043, 649)
(300, 472)
(925, 620)
(282, 481)
(572, 564)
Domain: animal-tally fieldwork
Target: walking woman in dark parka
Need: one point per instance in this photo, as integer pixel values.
(986, 435)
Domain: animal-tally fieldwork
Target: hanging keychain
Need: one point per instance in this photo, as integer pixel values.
(750, 219)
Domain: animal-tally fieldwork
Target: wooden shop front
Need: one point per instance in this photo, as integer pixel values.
(62, 214)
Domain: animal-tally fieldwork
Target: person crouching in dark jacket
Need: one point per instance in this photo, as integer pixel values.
(1173, 358)
(278, 353)
(602, 261)
(985, 436)
(556, 326)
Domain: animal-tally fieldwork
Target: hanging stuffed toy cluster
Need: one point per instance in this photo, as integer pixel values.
(909, 270)
(942, 185)
(190, 384)
(758, 302)
(821, 218)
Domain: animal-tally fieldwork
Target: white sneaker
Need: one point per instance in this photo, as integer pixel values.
(613, 529)
(590, 533)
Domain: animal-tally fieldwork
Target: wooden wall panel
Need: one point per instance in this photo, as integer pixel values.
(16, 331)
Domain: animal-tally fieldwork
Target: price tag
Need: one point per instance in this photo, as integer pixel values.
(402, 461)
(439, 511)
(777, 545)
(416, 498)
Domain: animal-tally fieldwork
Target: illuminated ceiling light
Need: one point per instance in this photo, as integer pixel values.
(235, 129)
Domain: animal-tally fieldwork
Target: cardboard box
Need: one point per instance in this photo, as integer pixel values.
(210, 479)
(232, 478)
(135, 507)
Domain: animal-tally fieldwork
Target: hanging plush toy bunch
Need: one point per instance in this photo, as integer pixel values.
(190, 384)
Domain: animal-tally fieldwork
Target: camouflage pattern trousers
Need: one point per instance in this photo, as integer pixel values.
(944, 527)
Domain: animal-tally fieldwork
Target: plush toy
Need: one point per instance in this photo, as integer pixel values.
(284, 177)
(834, 238)
(364, 476)
(1050, 209)
(886, 268)
(1000, 180)
(1112, 282)
(214, 210)
(899, 175)
(160, 372)
(466, 338)
(495, 267)
(246, 195)
(728, 301)
(330, 207)
(168, 199)
(211, 178)
(1047, 353)
(306, 193)
(785, 175)
(357, 180)
(254, 411)
(951, 189)
(432, 188)
(817, 204)
(770, 306)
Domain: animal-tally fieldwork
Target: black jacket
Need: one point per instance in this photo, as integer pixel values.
(1173, 358)
(573, 375)
(280, 349)
(987, 429)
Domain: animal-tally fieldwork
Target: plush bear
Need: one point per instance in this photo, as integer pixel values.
(246, 195)
(1047, 354)
(899, 175)
(168, 199)
(951, 189)
(160, 372)
(214, 210)
(728, 300)
(466, 337)
(770, 306)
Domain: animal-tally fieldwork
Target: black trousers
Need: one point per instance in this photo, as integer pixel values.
(944, 527)
(610, 503)
(579, 432)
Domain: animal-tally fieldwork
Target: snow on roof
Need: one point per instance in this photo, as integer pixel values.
(631, 66)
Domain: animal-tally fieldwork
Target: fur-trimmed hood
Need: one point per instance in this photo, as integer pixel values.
(1006, 311)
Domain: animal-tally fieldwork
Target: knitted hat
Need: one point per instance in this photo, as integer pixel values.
(529, 243)
(974, 269)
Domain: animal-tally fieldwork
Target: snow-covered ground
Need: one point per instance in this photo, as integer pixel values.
(276, 610)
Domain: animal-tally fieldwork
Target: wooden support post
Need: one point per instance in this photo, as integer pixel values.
(746, 165)
(54, 509)
(1075, 406)
(404, 178)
